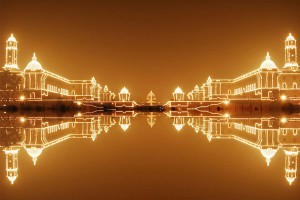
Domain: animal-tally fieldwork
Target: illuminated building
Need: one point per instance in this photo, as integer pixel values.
(124, 122)
(291, 53)
(195, 95)
(178, 123)
(267, 82)
(124, 95)
(39, 133)
(291, 164)
(11, 58)
(267, 135)
(151, 119)
(151, 99)
(11, 163)
(178, 94)
(38, 84)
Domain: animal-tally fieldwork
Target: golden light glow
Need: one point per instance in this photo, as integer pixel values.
(79, 114)
(283, 120)
(283, 97)
(22, 119)
(79, 103)
(22, 98)
(226, 102)
(226, 115)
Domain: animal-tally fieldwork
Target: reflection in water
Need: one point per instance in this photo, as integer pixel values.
(34, 134)
(268, 135)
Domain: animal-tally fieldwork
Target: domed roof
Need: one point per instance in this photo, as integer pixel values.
(124, 126)
(34, 65)
(11, 38)
(178, 126)
(178, 90)
(34, 153)
(124, 91)
(268, 154)
(12, 179)
(268, 63)
(290, 179)
(105, 88)
(290, 37)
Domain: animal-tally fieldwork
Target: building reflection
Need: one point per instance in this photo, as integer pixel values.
(268, 135)
(35, 134)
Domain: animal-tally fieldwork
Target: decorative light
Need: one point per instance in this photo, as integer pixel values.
(283, 97)
(79, 103)
(79, 114)
(22, 98)
(283, 120)
(226, 102)
(22, 119)
(226, 115)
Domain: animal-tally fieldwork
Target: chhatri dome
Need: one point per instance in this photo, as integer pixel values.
(34, 65)
(290, 37)
(34, 153)
(268, 63)
(290, 179)
(124, 91)
(12, 38)
(12, 179)
(178, 90)
(268, 154)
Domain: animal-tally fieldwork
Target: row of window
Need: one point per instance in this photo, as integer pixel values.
(248, 129)
(284, 86)
(248, 88)
(285, 131)
(55, 89)
(55, 128)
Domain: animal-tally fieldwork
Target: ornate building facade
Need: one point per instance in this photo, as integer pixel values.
(268, 82)
(36, 83)
(268, 135)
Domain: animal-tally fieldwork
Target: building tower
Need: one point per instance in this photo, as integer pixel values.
(291, 53)
(178, 123)
(11, 164)
(124, 95)
(124, 122)
(291, 164)
(11, 54)
(178, 94)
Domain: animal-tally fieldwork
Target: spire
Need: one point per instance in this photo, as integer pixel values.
(268, 56)
(34, 160)
(34, 56)
(268, 160)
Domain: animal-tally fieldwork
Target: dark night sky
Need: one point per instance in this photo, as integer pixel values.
(149, 45)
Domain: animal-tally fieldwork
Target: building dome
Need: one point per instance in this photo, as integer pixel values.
(33, 65)
(268, 63)
(124, 126)
(34, 153)
(290, 37)
(268, 154)
(12, 179)
(290, 179)
(11, 38)
(124, 91)
(178, 127)
(178, 90)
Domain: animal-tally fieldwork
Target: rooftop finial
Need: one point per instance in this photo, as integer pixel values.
(34, 56)
(268, 56)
